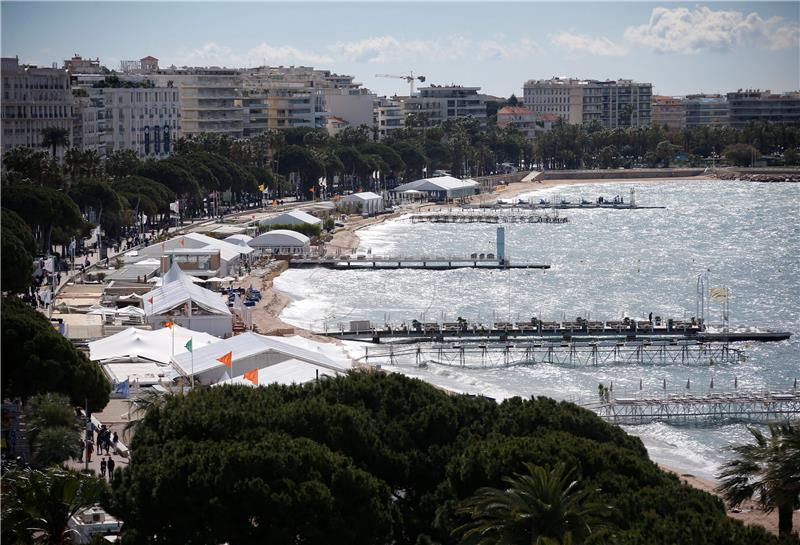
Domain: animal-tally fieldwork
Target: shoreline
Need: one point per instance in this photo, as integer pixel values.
(749, 512)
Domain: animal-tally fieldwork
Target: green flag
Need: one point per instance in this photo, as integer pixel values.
(188, 345)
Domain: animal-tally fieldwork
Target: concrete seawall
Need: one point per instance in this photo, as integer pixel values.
(617, 174)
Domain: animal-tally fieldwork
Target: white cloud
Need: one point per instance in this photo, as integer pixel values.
(383, 49)
(577, 44)
(213, 54)
(495, 50)
(682, 30)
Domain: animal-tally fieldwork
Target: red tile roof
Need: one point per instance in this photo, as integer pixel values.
(510, 110)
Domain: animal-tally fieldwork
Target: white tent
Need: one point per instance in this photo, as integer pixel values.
(365, 202)
(283, 242)
(291, 371)
(239, 240)
(253, 351)
(134, 344)
(293, 217)
(191, 305)
(441, 187)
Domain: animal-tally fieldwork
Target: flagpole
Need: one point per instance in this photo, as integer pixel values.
(192, 353)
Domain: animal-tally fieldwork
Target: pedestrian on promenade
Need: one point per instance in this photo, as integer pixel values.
(114, 439)
(111, 464)
(89, 451)
(103, 468)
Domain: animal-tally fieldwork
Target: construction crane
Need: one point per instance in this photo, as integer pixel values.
(410, 79)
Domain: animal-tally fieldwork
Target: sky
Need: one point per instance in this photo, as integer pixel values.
(680, 48)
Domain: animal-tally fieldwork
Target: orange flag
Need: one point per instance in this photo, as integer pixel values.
(252, 376)
(226, 359)
(150, 300)
(168, 324)
(183, 242)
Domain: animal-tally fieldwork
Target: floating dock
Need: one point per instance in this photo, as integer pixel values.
(481, 217)
(428, 263)
(762, 407)
(587, 331)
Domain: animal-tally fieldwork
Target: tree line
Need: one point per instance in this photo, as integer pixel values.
(382, 458)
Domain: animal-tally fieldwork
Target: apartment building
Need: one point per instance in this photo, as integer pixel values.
(612, 103)
(128, 112)
(668, 111)
(79, 65)
(254, 113)
(757, 105)
(437, 103)
(34, 99)
(208, 99)
(704, 109)
(529, 123)
(388, 116)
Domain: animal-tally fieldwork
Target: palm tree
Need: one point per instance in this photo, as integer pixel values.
(37, 505)
(768, 470)
(542, 507)
(53, 137)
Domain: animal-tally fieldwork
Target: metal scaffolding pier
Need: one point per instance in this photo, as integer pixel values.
(573, 354)
(483, 217)
(676, 409)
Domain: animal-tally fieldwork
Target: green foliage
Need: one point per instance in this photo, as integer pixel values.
(741, 155)
(29, 201)
(791, 157)
(305, 228)
(542, 506)
(173, 176)
(121, 163)
(54, 138)
(18, 250)
(768, 470)
(36, 359)
(29, 165)
(202, 465)
(37, 504)
(329, 224)
(52, 429)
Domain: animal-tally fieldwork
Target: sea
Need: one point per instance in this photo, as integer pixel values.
(605, 265)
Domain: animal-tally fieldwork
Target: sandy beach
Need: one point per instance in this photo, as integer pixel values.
(749, 512)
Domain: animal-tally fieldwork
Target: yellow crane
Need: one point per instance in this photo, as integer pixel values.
(411, 78)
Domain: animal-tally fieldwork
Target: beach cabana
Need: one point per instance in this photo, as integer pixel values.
(282, 242)
(291, 371)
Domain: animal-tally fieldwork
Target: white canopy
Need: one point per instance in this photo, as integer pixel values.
(251, 350)
(363, 196)
(280, 238)
(133, 343)
(293, 217)
(177, 290)
(227, 251)
(239, 240)
(291, 371)
(452, 187)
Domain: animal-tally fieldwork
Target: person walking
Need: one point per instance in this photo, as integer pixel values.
(89, 451)
(103, 468)
(110, 465)
(114, 439)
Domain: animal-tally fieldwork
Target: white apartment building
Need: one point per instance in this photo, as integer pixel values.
(389, 116)
(33, 99)
(620, 103)
(208, 99)
(142, 118)
(254, 113)
(438, 103)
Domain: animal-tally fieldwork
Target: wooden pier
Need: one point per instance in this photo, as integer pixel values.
(488, 261)
(760, 407)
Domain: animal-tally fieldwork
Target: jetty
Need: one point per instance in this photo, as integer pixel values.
(761, 407)
(369, 263)
(674, 330)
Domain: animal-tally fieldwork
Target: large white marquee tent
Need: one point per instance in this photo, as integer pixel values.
(441, 187)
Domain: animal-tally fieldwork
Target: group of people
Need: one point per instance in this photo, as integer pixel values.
(106, 441)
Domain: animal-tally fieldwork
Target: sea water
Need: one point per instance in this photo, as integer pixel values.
(605, 264)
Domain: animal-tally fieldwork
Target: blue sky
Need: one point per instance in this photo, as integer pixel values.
(679, 47)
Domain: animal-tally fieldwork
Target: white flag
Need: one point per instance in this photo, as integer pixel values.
(718, 294)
